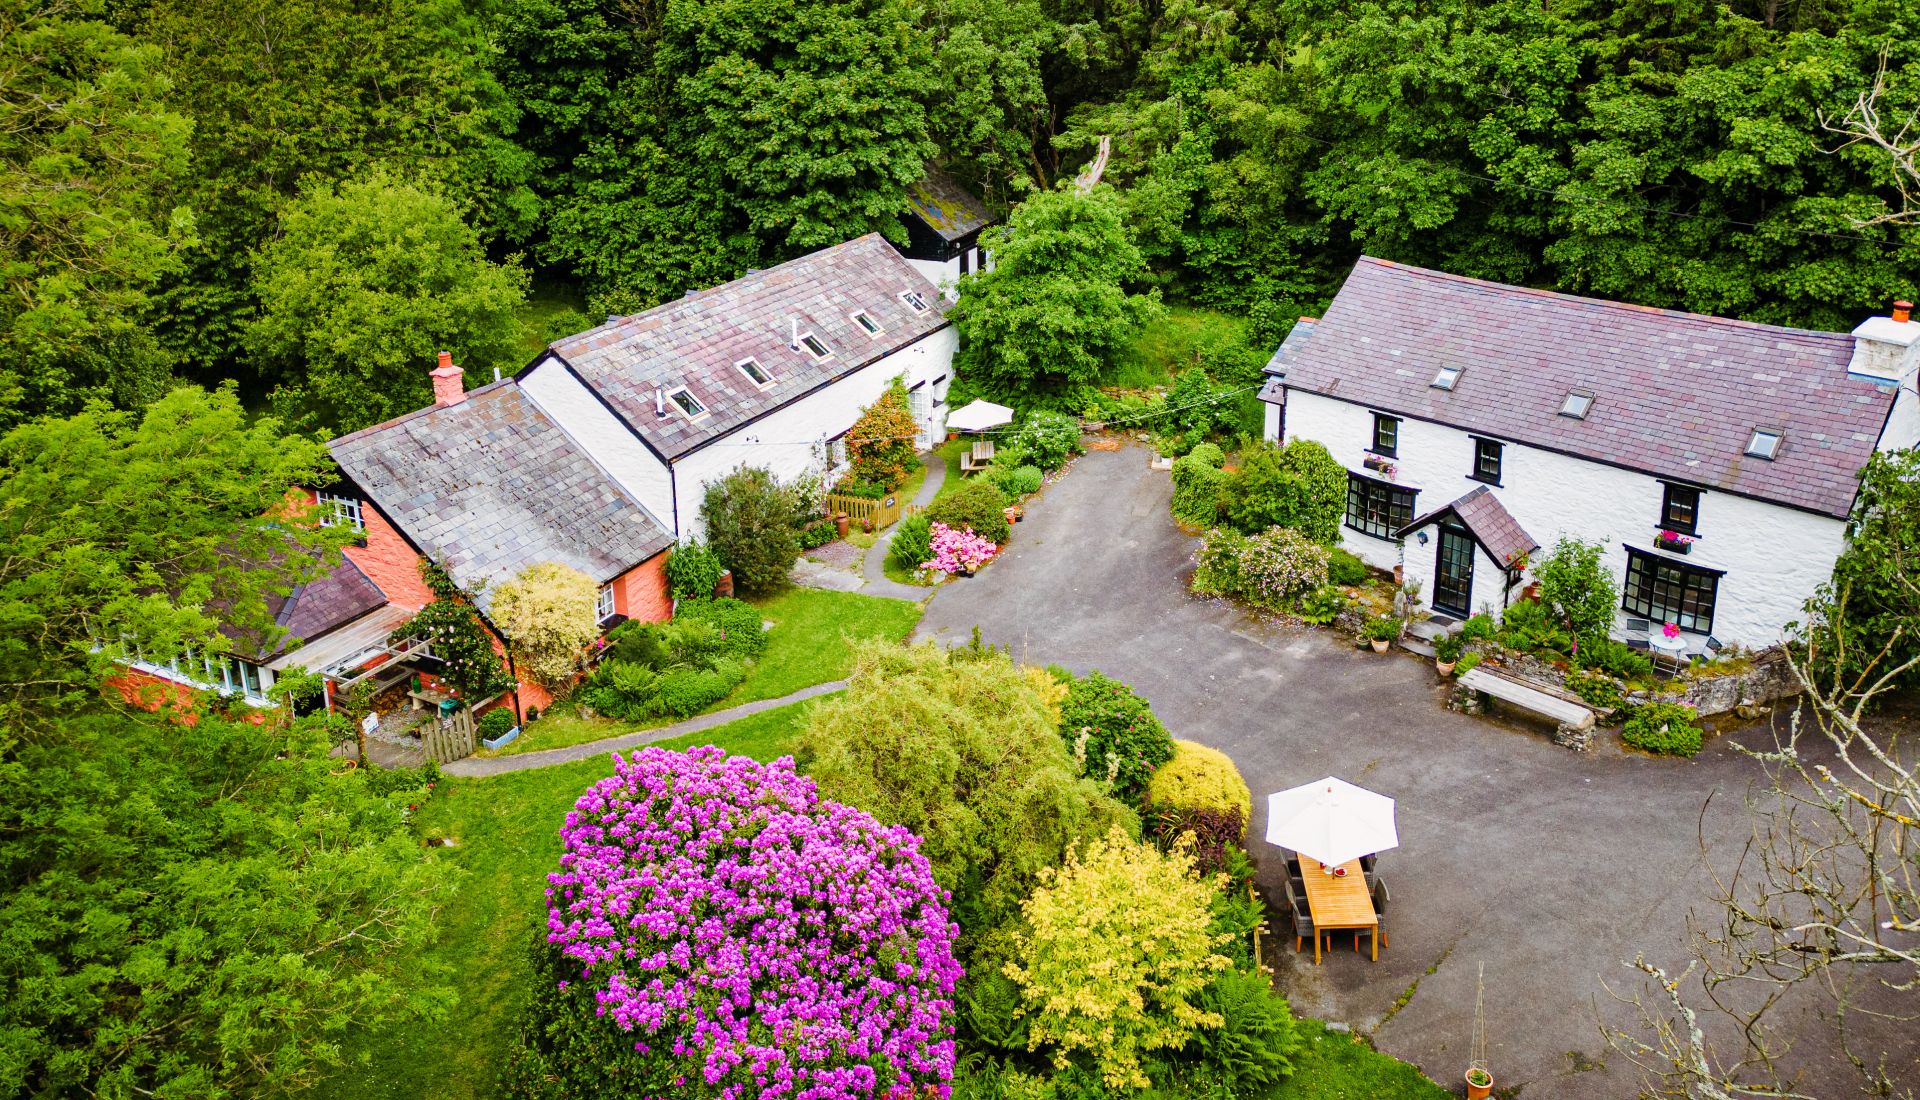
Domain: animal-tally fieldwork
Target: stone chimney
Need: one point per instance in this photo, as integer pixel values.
(447, 387)
(1886, 350)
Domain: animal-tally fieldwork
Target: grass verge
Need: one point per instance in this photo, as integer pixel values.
(507, 834)
(810, 643)
(1332, 1065)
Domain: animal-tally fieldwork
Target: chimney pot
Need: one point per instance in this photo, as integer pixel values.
(447, 386)
(1902, 311)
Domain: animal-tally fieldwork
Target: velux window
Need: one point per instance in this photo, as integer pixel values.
(866, 322)
(754, 372)
(687, 403)
(1446, 379)
(813, 345)
(1577, 404)
(914, 300)
(1765, 443)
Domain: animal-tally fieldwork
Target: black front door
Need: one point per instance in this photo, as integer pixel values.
(1453, 574)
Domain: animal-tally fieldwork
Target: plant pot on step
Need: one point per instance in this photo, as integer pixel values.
(1379, 644)
(1479, 1084)
(1445, 668)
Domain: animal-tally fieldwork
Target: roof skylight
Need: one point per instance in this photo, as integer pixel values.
(1446, 378)
(1765, 443)
(754, 372)
(914, 300)
(1577, 404)
(813, 345)
(687, 403)
(866, 322)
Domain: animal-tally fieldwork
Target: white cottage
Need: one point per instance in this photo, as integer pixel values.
(1716, 461)
(769, 370)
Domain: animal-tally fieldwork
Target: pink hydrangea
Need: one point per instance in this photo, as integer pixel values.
(954, 550)
(778, 944)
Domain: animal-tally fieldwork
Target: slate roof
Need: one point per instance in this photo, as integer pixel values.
(492, 485)
(945, 207)
(1274, 389)
(333, 600)
(1677, 394)
(1491, 525)
(696, 341)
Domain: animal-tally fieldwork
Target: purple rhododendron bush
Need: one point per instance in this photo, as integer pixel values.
(716, 929)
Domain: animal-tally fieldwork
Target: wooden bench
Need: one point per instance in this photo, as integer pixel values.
(979, 458)
(1533, 699)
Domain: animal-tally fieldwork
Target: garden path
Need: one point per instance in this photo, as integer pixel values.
(1554, 868)
(482, 766)
(874, 567)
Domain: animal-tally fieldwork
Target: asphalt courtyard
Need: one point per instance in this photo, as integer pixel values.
(1551, 868)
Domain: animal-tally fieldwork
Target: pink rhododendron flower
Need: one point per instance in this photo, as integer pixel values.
(954, 550)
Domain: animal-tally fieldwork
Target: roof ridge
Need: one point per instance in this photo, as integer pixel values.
(1581, 299)
(500, 383)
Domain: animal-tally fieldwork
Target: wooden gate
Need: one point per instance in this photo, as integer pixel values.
(883, 512)
(449, 738)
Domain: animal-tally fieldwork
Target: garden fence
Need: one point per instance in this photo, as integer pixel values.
(450, 738)
(881, 513)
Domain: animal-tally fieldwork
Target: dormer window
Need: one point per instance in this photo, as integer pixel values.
(1577, 404)
(687, 403)
(914, 301)
(1765, 443)
(1446, 379)
(867, 324)
(754, 372)
(814, 347)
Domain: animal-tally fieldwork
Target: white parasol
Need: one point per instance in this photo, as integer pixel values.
(978, 416)
(1331, 820)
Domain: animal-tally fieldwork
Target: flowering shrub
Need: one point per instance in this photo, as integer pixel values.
(975, 506)
(749, 938)
(1113, 734)
(1268, 569)
(954, 550)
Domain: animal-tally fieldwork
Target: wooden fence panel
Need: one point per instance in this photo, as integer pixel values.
(450, 738)
(882, 513)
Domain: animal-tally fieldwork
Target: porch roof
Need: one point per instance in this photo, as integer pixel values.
(1488, 521)
(367, 632)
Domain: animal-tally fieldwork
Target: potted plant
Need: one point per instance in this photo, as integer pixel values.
(1674, 542)
(1446, 650)
(1479, 1084)
(1479, 1078)
(1381, 630)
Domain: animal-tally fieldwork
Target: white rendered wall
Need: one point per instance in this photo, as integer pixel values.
(789, 440)
(606, 439)
(944, 274)
(1773, 557)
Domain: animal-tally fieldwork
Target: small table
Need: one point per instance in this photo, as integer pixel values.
(1339, 902)
(1674, 648)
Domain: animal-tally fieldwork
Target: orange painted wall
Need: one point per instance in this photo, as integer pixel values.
(150, 692)
(390, 562)
(641, 592)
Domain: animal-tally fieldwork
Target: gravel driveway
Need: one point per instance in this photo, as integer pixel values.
(1552, 868)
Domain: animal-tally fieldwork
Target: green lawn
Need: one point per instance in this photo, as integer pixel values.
(951, 451)
(1166, 347)
(507, 832)
(1335, 1066)
(810, 643)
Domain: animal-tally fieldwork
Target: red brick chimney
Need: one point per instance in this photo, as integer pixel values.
(1902, 311)
(447, 388)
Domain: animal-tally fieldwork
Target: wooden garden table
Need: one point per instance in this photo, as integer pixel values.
(1339, 902)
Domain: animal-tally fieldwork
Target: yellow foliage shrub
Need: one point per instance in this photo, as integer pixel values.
(547, 614)
(1199, 778)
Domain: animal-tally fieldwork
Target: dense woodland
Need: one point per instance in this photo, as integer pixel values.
(308, 197)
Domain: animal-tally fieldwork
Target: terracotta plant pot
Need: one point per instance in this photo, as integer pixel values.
(1481, 1091)
(1379, 644)
(840, 524)
(1445, 668)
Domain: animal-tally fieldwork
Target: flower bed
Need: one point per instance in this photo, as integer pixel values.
(750, 938)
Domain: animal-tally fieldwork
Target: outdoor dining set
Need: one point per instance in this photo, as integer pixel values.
(1332, 832)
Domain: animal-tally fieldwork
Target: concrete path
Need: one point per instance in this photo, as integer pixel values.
(1553, 868)
(475, 767)
(874, 567)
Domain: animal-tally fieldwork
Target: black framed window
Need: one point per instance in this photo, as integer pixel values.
(1377, 508)
(1662, 590)
(1386, 435)
(1680, 510)
(1486, 460)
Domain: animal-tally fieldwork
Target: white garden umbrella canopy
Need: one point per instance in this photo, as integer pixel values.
(978, 416)
(1332, 821)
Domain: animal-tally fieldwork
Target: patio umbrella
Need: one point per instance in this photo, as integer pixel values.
(978, 416)
(1331, 820)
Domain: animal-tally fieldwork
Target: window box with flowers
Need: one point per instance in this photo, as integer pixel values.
(1674, 542)
(1379, 464)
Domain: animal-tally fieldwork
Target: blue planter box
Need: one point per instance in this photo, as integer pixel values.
(503, 738)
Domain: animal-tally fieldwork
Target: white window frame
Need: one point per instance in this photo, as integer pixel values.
(916, 301)
(825, 353)
(750, 361)
(603, 604)
(1447, 378)
(337, 509)
(1566, 403)
(674, 396)
(1777, 435)
(864, 319)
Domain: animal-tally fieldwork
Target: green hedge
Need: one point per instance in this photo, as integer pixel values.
(976, 506)
(1197, 482)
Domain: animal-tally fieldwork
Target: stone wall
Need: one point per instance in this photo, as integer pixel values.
(1770, 679)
